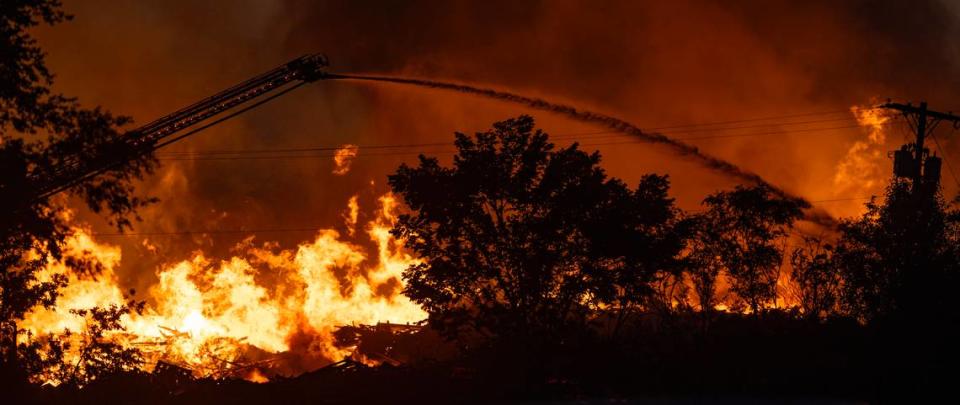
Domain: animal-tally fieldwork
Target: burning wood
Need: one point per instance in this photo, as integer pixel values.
(221, 320)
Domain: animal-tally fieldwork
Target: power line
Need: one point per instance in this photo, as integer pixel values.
(774, 124)
(841, 199)
(571, 135)
(249, 154)
(697, 138)
(944, 157)
(768, 118)
(211, 231)
(199, 156)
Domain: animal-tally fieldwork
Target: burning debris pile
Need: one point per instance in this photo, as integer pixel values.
(262, 313)
(219, 357)
(383, 343)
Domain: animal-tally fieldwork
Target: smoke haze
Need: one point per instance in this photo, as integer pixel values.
(652, 63)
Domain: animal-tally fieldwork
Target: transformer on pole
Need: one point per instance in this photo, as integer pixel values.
(913, 160)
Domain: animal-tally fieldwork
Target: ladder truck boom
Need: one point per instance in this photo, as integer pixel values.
(173, 127)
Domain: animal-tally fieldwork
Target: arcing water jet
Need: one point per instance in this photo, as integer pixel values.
(711, 162)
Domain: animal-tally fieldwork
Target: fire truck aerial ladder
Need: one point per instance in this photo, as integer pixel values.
(185, 122)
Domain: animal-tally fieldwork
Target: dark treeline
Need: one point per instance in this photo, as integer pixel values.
(519, 235)
(534, 257)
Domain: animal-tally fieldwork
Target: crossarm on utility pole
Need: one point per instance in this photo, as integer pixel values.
(924, 122)
(909, 108)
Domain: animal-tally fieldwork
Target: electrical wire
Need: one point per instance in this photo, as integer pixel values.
(255, 154)
(211, 231)
(690, 128)
(575, 134)
(944, 157)
(774, 124)
(750, 120)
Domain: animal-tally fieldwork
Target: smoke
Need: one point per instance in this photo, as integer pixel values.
(862, 169)
(654, 63)
(616, 124)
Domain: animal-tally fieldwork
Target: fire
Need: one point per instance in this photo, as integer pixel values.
(343, 158)
(206, 315)
(256, 376)
(860, 171)
(351, 215)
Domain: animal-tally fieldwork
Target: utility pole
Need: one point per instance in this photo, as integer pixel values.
(913, 161)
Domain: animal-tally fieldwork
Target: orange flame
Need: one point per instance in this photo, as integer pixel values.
(343, 158)
(205, 315)
(351, 215)
(861, 170)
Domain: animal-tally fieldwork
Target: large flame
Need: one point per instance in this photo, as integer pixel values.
(861, 171)
(206, 315)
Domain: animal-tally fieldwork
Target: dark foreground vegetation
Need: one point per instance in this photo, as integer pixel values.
(778, 359)
(543, 279)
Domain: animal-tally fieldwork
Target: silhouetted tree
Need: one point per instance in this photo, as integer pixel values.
(817, 278)
(899, 265)
(636, 244)
(741, 233)
(42, 132)
(76, 358)
(704, 263)
(900, 258)
(520, 240)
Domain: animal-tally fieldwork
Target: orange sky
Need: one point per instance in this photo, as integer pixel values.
(652, 63)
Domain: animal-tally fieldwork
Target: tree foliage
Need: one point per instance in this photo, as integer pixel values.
(816, 277)
(77, 358)
(43, 132)
(741, 235)
(520, 239)
(900, 258)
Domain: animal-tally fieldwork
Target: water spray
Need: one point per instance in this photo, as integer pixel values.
(716, 164)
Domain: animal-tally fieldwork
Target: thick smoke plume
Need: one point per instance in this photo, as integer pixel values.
(616, 124)
(709, 61)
